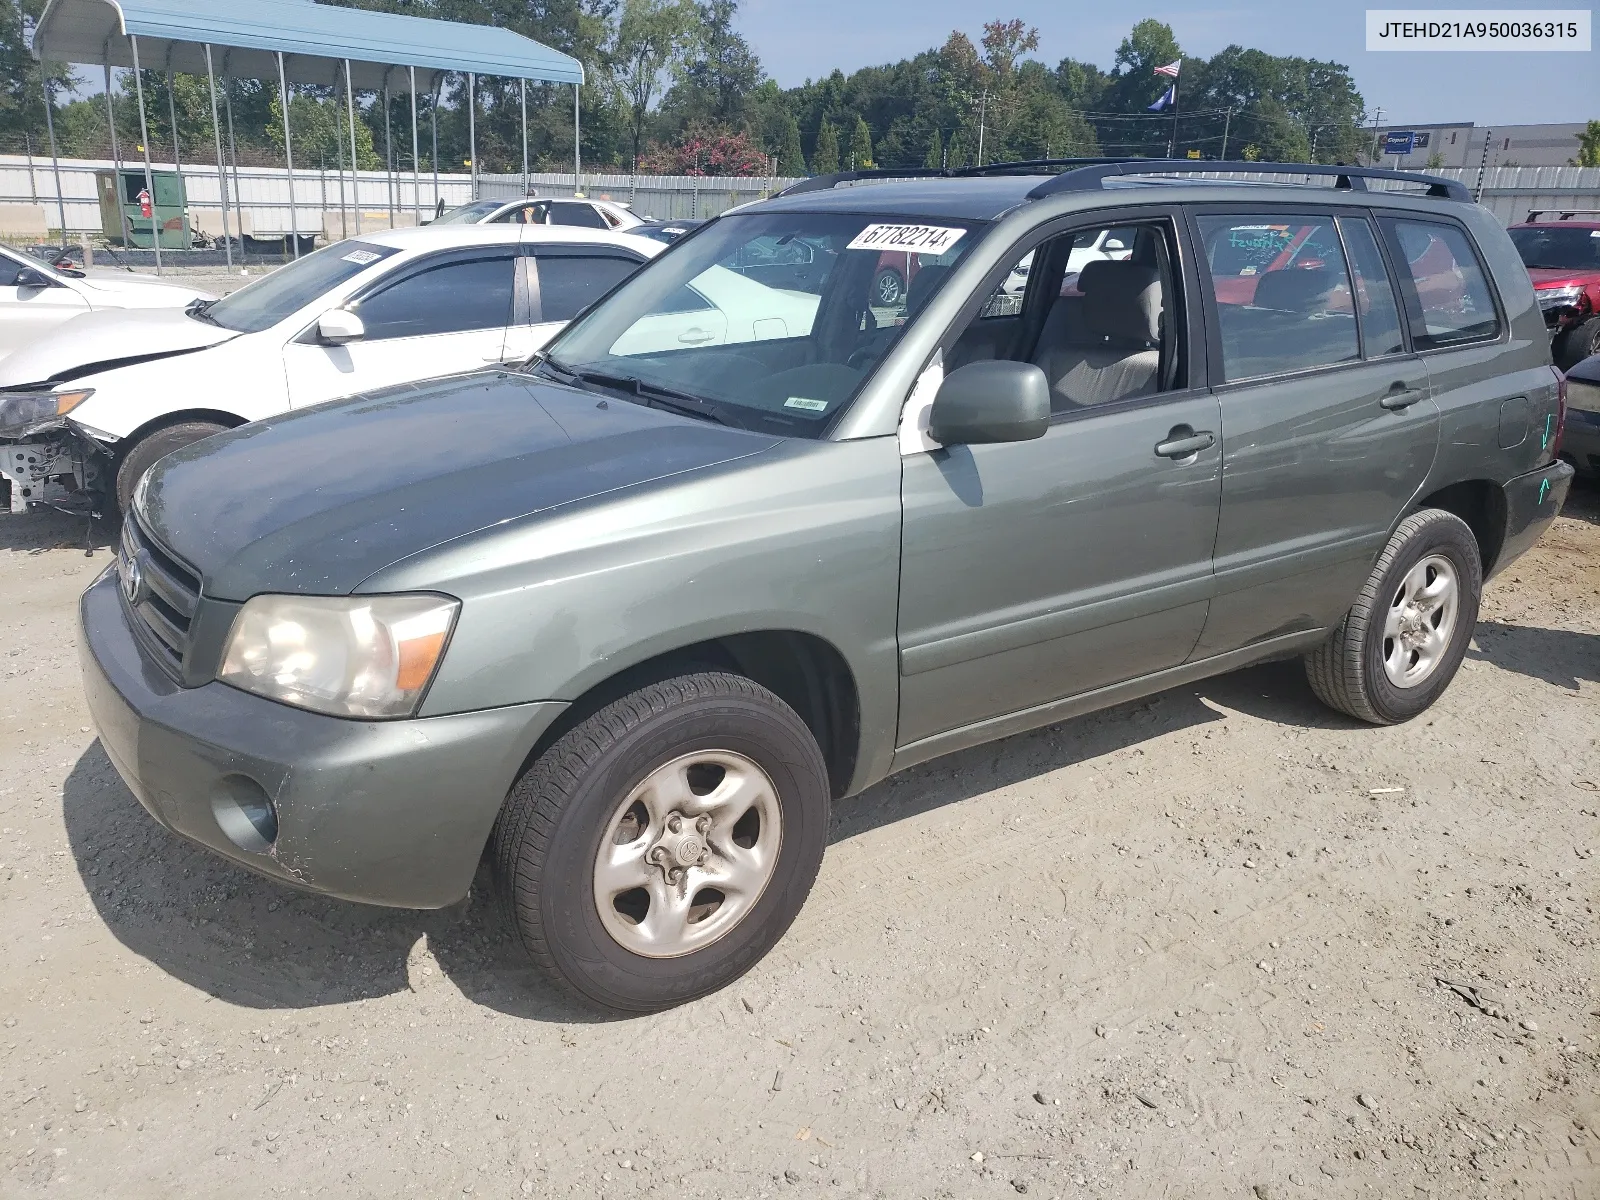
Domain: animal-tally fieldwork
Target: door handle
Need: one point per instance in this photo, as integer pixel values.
(1183, 442)
(694, 337)
(1400, 396)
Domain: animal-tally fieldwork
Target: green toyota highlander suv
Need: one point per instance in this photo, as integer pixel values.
(745, 539)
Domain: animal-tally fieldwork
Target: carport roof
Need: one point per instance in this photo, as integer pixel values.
(314, 38)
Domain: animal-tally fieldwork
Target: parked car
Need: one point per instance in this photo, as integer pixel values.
(1105, 243)
(666, 231)
(629, 619)
(530, 210)
(1581, 444)
(109, 394)
(36, 297)
(1563, 258)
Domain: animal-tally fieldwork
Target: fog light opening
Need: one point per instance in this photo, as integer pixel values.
(245, 813)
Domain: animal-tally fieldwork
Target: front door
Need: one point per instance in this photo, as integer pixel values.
(444, 315)
(1034, 571)
(560, 282)
(1329, 428)
(27, 313)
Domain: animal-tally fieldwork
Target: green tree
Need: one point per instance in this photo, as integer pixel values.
(321, 132)
(933, 158)
(825, 158)
(22, 79)
(650, 37)
(790, 161)
(860, 146)
(718, 72)
(1589, 146)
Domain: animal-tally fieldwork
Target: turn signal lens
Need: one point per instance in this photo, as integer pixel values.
(67, 401)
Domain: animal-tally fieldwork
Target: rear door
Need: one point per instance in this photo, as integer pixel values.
(560, 282)
(1328, 425)
(439, 315)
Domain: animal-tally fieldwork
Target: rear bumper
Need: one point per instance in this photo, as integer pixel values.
(1532, 502)
(385, 812)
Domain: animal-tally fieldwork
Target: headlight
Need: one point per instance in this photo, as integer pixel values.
(351, 656)
(23, 410)
(1561, 297)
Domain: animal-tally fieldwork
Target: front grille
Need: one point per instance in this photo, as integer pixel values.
(159, 591)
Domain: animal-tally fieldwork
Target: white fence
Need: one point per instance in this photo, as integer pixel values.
(263, 192)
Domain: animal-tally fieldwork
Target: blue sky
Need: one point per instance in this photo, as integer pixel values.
(810, 38)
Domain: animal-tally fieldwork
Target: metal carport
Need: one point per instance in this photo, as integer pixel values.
(299, 41)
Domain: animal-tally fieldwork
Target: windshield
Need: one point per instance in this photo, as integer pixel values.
(767, 320)
(1569, 248)
(270, 299)
(469, 214)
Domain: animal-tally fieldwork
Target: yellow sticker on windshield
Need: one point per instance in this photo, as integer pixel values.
(918, 239)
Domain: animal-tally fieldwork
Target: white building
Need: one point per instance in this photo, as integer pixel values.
(1463, 145)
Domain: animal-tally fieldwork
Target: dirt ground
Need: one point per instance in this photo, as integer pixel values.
(1192, 947)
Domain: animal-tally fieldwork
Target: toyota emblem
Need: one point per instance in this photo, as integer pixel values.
(133, 584)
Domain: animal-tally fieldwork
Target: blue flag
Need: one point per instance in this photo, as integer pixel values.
(1167, 97)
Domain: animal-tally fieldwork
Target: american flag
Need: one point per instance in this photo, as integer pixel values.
(1170, 69)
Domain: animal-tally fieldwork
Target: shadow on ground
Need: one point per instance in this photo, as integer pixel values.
(1563, 657)
(252, 942)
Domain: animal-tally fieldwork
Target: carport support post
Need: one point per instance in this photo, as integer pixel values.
(233, 151)
(288, 155)
(524, 89)
(472, 128)
(172, 116)
(577, 142)
(55, 161)
(144, 138)
(355, 163)
(116, 155)
(388, 146)
(433, 116)
(416, 167)
(222, 169)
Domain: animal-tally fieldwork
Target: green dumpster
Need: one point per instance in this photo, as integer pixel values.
(122, 208)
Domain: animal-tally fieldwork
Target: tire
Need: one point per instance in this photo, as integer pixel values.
(156, 444)
(889, 288)
(1578, 343)
(1348, 672)
(567, 808)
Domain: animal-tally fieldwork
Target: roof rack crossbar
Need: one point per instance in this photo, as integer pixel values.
(1566, 213)
(1088, 177)
(819, 183)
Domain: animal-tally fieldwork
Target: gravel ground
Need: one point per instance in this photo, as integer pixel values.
(1191, 947)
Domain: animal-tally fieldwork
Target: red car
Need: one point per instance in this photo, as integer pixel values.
(1563, 258)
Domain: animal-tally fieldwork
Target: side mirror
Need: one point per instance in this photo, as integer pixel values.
(28, 277)
(997, 401)
(338, 326)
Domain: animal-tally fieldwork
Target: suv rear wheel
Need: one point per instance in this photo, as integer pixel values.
(1578, 343)
(1400, 644)
(663, 845)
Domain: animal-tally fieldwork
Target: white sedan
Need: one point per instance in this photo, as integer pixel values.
(35, 297)
(109, 394)
(580, 212)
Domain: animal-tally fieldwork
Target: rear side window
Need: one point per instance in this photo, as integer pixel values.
(569, 283)
(1376, 306)
(1449, 293)
(454, 297)
(577, 214)
(1282, 293)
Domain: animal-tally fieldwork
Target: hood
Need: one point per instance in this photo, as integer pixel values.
(318, 500)
(145, 288)
(98, 341)
(1548, 277)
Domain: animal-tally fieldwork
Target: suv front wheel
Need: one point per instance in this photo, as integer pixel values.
(663, 845)
(1400, 644)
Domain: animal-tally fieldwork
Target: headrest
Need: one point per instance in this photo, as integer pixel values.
(1121, 300)
(1297, 290)
(922, 286)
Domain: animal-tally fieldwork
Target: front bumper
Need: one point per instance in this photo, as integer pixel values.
(385, 812)
(1532, 502)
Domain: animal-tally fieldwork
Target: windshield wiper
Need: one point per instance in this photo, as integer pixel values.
(200, 310)
(655, 396)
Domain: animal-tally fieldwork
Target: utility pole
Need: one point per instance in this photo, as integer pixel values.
(1483, 165)
(1227, 119)
(983, 104)
(1376, 117)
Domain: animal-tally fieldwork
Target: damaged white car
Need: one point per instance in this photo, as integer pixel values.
(95, 404)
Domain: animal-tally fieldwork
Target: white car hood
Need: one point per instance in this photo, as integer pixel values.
(123, 289)
(101, 340)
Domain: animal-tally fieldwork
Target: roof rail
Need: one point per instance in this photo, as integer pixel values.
(819, 183)
(1085, 178)
(1566, 213)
